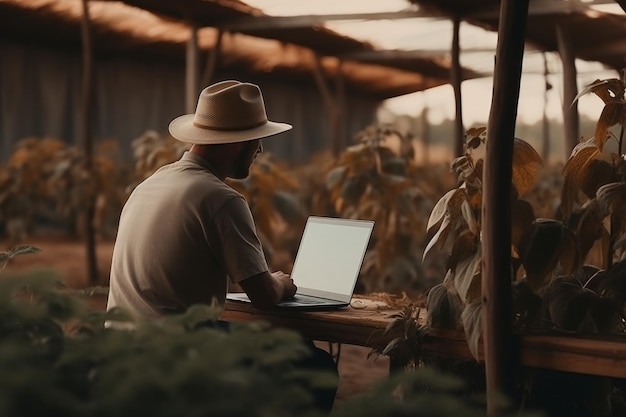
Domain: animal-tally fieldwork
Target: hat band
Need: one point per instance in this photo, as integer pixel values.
(230, 129)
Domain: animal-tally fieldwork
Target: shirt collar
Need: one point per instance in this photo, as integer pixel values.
(188, 156)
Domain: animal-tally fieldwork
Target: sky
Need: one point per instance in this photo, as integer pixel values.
(476, 99)
(478, 51)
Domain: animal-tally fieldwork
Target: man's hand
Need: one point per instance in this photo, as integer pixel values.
(289, 288)
(267, 289)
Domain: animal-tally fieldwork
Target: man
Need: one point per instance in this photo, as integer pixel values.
(183, 233)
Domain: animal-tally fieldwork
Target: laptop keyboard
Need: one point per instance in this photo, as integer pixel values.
(305, 300)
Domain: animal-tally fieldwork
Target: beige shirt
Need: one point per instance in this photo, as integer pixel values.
(182, 234)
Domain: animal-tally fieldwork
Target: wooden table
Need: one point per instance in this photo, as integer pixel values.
(361, 325)
(590, 355)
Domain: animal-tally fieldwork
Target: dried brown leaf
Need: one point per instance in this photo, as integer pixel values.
(608, 90)
(612, 114)
(526, 160)
(573, 174)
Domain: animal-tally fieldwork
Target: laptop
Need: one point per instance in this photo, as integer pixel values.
(327, 264)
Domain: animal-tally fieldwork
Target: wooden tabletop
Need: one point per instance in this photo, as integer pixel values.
(362, 323)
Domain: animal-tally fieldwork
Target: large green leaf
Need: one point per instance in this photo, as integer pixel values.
(473, 326)
(540, 249)
(443, 308)
(574, 174)
(449, 204)
(467, 277)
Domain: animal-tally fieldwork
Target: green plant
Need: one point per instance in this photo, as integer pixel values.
(7, 255)
(455, 224)
(44, 182)
(377, 178)
(57, 358)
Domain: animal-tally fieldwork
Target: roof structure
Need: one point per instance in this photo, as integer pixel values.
(593, 35)
(154, 29)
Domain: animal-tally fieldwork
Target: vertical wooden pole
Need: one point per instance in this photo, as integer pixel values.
(87, 143)
(191, 79)
(570, 90)
(545, 139)
(425, 136)
(340, 111)
(327, 97)
(456, 78)
(213, 60)
(501, 353)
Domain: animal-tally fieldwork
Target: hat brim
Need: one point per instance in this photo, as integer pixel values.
(183, 129)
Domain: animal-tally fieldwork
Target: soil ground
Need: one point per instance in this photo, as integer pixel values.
(357, 371)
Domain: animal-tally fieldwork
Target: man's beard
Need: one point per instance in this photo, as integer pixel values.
(241, 166)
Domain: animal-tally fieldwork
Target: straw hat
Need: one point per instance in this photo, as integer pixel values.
(227, 112)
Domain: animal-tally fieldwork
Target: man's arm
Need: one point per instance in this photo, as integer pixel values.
(265, 290)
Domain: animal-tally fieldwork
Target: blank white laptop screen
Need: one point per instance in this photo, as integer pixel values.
(328, 261)
(330, 256)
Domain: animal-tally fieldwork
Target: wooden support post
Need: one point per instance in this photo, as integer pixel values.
(545, 139)
(339, 134)
(501, 351)
(570, 90)
(456, 78)
(87, 143)
(213, 60)
(425, 136)
(191, 80)
(327, 98)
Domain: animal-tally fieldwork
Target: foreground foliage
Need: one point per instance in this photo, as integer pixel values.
(57, 358)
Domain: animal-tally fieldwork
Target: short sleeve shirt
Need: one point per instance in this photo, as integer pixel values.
(183, 233)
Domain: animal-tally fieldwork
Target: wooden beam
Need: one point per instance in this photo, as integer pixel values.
(501, 349)
(536, 8)
(252, 23)
(571, 353)
(396, 54)
(612, 47)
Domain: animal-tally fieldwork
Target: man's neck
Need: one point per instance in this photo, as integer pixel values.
(212, 162)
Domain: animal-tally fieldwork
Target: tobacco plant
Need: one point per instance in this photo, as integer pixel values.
(455, 225)
(377, 178)
(45, 181)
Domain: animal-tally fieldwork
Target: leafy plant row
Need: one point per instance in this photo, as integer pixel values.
(44, 184)
(59, 358)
